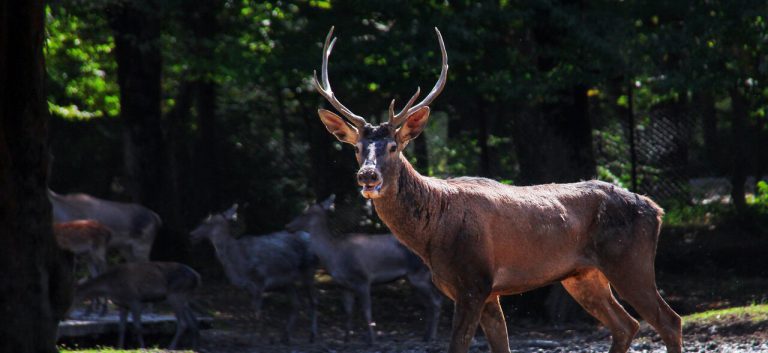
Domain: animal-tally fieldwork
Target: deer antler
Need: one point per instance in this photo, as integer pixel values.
(325, 89)
(397, 119)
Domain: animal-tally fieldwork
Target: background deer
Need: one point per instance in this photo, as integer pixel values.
(131, 285)
(276, 261)
(483, 239)
(358, 261)
(85, 238)
(133, 226)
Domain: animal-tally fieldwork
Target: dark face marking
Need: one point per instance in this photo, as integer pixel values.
(377, 153)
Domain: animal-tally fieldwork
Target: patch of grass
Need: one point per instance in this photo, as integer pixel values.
(754, 313)
(115, 350)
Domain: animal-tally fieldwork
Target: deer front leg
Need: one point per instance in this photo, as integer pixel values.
(257, 297)
(348, 300)
(292, 316)
(365, 304)
(312, 297)
(494, 326)
(466, 316)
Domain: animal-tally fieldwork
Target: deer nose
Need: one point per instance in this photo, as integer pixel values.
(368, 176)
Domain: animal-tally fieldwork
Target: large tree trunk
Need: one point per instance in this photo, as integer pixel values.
(35, 287)
(200, 17)
(136, 27)
(553, 139)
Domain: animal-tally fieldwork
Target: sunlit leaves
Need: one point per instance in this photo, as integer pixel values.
(80, 64)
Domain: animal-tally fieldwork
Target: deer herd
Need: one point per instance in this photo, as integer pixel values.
(469, 239)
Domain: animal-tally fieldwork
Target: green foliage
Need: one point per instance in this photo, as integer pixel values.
(114, 350)
(507, 60)
(681, 214)
(80, 66)
(759, 201)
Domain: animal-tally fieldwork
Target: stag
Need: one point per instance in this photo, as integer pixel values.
(483, 239)
(270, 262)
(131, 285)
(133, 226)
(360, 260)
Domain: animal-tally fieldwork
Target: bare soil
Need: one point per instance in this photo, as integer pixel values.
(400, 325)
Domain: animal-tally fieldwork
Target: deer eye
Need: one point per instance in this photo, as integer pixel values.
(393, 149)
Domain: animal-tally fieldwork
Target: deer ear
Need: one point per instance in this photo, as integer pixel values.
(413, 126)
(338, 127)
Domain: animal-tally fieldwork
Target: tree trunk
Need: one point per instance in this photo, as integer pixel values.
(200, 17)
(554, 141)
(705, 101)
(738, 151)
(35, 286)
(136, 27)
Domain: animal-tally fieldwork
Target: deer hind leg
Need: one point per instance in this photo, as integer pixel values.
(181, 321)
(193, 325)
(494, 326)
(637, 285)
(136, 321)
(591, 289)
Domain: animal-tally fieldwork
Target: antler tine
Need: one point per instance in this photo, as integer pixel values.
(326, 91)
(397, 119)
(407, 111)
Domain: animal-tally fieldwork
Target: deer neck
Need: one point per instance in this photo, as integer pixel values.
(412, 210)
(229, 253)
(321, 242)
(94, 288)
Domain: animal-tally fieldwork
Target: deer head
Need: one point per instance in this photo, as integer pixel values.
(378, 148)
(304, 221)
(214, 224)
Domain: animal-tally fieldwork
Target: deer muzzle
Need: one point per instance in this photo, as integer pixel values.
(371, 182)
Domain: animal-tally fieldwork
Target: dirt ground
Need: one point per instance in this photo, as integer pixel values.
(400, 325)
(702, 270)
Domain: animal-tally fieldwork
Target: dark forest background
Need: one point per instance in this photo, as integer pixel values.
(189, 106)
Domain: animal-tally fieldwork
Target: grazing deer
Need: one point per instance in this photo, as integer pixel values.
(483, 239)
(133, 226)
(359, 260)
(131, 285)
(275, 261)
(86, 238)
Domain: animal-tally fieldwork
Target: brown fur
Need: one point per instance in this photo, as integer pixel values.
(85, 238)
(483, 239)
(131, 285)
